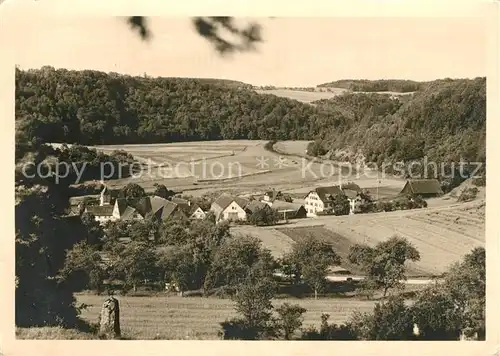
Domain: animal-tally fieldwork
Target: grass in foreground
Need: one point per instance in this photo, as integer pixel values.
(52, 333)
(175, 317)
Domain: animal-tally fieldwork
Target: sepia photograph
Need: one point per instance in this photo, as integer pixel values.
(250, 178)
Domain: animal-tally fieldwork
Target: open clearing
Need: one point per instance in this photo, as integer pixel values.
(318, 94)
(198, 318)
(239, 167)
(304, 96)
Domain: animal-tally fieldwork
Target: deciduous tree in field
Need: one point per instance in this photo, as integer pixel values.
(178, 266)
(83, 260)
(384, 264)
(40, 233)
(253, 298)
(457, 304)
(95, 233)
(131, 191)
(329, 331)
(311, 258)
(134, 263)
(340, 205)
(162, 191)
(262, 217)
(391, 320)
(236, 259)
(290, 318)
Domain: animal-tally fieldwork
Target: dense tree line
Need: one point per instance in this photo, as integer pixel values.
(91, 107)
(446, 310)
(444, 120)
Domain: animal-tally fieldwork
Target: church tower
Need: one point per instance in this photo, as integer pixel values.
(105, 196)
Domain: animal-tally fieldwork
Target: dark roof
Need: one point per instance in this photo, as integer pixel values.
(141, 205)
(273, 194)
(194, 207)
(169, 209)
(184, 204)
(324, 192)
(351, 186)
(256, 205)
(159, 206)
(179, 201)
(425, 186)
(97, 210)
(351, 194)
(157, 203)
(128, 213)
(122, 205)
(223, 201)
(285, 206)
(242, 202)
(349, 189)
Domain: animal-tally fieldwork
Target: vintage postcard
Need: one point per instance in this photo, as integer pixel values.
(217, 173)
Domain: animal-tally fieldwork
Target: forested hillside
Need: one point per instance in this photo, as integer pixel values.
(445, 119)
(91, 107)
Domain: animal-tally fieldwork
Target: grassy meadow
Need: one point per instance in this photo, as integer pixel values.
(173, 317)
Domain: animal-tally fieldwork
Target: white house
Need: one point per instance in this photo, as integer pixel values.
(103, 212)
(197, 213)
(227, 207)
(133, 209)
(320, 200)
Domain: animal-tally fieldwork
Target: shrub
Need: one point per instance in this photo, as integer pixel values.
(329, 331)
(468, 194)
(290, 319)
(479, 181)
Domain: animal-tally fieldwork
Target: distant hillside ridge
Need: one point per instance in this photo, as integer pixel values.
(445, 119)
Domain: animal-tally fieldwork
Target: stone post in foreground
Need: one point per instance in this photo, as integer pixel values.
(109, 319)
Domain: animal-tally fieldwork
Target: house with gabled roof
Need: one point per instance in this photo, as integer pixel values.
(102, 214)
(426, 188)
(320, 200)
(288, 210)
(227, 207)
(104, 211)
(134, 209)
(272, 195)
(184, 203)
(196, 212)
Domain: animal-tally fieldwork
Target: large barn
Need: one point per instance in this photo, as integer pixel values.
(426, 188)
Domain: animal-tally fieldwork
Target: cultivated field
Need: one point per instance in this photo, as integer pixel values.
(273, 239)
(297, 148)
(320, 93)
(165, 317)
(443, 234)
(239, 167)
(304, 96)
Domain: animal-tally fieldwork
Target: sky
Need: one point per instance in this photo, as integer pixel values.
(295, 52)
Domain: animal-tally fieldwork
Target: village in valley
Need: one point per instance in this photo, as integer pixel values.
(237, 209)
(154, 207)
